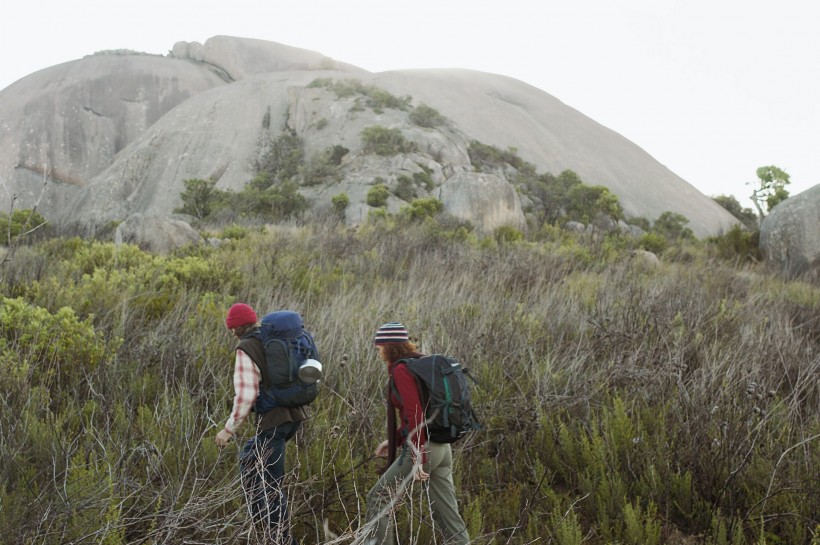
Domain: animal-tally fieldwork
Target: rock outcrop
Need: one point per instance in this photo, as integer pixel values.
(790, 235)
(66, 124)
(156, 234)
(484, 200)
(244, 57)
(131, 128)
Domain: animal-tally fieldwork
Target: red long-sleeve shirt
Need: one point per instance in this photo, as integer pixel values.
(409, 405)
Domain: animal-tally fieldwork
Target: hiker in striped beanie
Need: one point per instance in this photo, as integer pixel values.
(419, 459)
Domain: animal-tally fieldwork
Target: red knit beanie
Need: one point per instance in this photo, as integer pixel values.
(240, 314)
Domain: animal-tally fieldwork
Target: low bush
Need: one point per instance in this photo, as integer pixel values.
(419, 209)
(427, 117)
(374, 97)
(619, 404)
(737, 244)
(340, 203)
(22, 222)
(383, 141)
(377, 196)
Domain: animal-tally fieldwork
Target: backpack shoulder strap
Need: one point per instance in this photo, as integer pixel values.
(392, 381)
(404, 361)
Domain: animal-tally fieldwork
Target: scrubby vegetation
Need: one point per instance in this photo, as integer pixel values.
(340, 203)
(383, 141)
(21, 222)
(377, 195)
(282, 169)
(273, 193)
(745, 215)
(426, 116)
(549, 198)
(621, 403)
(369, 96)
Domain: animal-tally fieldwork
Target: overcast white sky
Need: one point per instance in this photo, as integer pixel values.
(712, 89)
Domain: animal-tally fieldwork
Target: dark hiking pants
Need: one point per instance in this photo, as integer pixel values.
(262, 467)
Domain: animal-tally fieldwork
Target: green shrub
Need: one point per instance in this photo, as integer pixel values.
(486, 157)
(507, 234)
(641, 222)
(377, 196)
(384, 141)
(567, 528)
(21, 222)
(78, 257)
(340, 203)
(641, 528)
(746, 216)
(738, 243)
(377, 216)
(284, 201)
(53, 349)
(424, 179)
(405, 188)
(234, 232)
(672, 226)
(282, 158)
(553, 197)
(379, 99)
(198, 198)
(653, 242)
(426, 207)
(324, 167)
(372, 96)
(585, 203)
(425, 116)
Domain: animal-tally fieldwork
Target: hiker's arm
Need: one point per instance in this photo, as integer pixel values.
(246, 386)
(412, 411)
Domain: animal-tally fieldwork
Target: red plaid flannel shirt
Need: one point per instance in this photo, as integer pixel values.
(246, 378)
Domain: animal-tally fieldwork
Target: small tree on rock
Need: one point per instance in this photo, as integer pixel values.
(770, 188)
(198, 197)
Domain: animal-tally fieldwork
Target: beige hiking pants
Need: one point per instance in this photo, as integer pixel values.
(439, 490)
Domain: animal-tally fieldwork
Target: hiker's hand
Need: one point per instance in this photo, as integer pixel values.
(381, 450)
(223, 437)
(421, 475)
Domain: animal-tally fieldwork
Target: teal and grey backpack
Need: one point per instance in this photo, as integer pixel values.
(445, 395)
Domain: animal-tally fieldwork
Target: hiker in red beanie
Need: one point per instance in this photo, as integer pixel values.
(262, 460)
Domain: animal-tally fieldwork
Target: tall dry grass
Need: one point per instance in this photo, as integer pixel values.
(620, 403)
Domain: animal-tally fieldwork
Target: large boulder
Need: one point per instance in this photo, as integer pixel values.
(790, 235)
(484, 200)
(157, 235)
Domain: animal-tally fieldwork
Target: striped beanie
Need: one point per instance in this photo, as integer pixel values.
(392, 332)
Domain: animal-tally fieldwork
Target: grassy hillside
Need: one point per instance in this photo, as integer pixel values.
(621, 402)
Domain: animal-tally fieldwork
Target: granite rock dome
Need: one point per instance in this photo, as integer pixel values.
(117, 134)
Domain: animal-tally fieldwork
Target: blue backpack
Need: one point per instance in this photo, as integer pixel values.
(287, 345)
